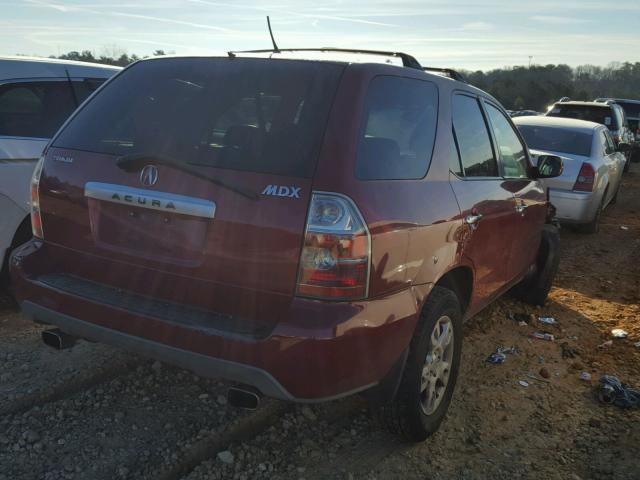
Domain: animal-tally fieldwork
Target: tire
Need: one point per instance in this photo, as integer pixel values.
(535, 288)
(22, 235)
(594, 225)
(413, 413)
(614, 199)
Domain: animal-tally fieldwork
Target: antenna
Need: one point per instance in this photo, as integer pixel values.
(275, 47)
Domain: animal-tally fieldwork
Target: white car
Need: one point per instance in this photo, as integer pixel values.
(36, 97)
(593, 166)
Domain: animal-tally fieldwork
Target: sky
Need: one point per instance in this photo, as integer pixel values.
(459, 34)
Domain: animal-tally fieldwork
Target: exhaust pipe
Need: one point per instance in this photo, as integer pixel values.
(246, 398)
(57, 339)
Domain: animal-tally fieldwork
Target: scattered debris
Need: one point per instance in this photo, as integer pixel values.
(543, 336)
(586, 376)
(521, 318)
(533, 377)
(522, 324)
(547, 320)
(619, 333)
(568, 351)
(612, 390)
(637, 344)
(544, 373)
(499, 356)
(523, 383)
(605, 345)
(624, 227)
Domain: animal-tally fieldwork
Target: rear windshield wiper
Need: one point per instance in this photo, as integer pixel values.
(135, 161)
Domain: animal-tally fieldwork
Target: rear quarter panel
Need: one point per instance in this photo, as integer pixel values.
(413, 223)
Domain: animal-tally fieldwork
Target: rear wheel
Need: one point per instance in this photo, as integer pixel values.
(22, 235)
(430, 374)
(534, 288)
(594, 225)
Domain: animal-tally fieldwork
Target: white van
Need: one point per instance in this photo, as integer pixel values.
(36, 97)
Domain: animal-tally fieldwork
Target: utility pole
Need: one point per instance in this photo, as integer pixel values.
(530, 57)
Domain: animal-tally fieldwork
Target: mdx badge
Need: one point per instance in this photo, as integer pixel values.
(282, 191)
(149, 176)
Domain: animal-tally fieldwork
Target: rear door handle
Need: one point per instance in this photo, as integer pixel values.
(521, 208)
(473, 219)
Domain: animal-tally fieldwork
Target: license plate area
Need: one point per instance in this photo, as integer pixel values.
(138, 223)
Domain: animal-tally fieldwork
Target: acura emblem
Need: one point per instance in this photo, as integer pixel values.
(149, 176)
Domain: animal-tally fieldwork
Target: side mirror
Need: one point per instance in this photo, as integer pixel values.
(549, 166)
(623, 147)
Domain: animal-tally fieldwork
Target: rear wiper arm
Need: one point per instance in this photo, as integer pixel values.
(135, 161)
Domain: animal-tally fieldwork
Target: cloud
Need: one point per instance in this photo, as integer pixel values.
(476, 27)
(555, 20)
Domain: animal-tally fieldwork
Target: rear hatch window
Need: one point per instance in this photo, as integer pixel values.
(557, 139)
(225, 113)
(603, 115)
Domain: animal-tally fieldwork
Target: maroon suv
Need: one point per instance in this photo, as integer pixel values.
(307, 228)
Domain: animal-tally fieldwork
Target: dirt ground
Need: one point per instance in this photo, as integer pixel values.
(95, 412)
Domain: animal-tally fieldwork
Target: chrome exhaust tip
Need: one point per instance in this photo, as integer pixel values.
(56, 338)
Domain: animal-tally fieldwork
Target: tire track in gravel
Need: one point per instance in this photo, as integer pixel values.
(33, 374)
(145, 424)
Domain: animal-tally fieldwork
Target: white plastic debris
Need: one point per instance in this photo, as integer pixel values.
(619, 333)
(623, 227)
(586, 376)
(523, 383)
(547, 320)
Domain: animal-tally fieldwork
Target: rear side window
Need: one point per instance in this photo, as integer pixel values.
(34, 109)
(399, 129)
(512, 153)
(631, 109)
(472, 138)
(610, 146)
(258, 115)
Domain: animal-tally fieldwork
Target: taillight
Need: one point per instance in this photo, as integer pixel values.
(36, 220)
(334, 263)
(586, 178)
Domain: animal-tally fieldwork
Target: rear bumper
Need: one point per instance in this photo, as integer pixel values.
(322, 351)
(574, 207)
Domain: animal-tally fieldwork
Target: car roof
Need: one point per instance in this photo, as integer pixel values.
(583, 104)
(559, 122)
(618, 100)
(35, 67)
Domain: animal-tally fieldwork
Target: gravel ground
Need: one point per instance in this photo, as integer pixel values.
(95, 412)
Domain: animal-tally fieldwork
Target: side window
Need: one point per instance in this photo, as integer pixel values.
(512, 152)
(399, 129)
(34, 109)
(83, 89)
(473, 139)
(609, 147)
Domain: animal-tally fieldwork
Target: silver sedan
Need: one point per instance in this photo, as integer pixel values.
(592, 166)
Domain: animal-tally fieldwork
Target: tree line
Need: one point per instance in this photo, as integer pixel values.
(517, 88)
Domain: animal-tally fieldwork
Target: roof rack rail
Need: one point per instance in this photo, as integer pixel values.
(407, 60)
(450, 72)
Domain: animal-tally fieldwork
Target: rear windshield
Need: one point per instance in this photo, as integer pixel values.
(557, 140)
(630, 109)
(256, 115)
(603, 115)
